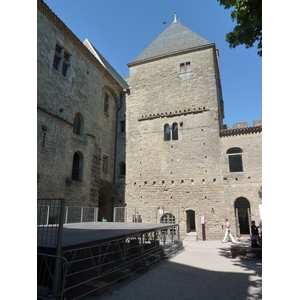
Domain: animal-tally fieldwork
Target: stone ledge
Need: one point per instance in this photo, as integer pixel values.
(173, 114)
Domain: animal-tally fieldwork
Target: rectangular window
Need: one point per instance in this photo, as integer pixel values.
(61, 61)
(122, 124)
(235, 163)
(106, 103)
(185, 67)
(105, 164)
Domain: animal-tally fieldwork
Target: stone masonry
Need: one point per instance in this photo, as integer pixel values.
(176, 151)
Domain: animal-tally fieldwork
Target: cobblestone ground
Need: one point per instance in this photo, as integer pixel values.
(203, 270)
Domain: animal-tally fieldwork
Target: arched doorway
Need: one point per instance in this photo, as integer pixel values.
(242, 215)
(106, 204)
(190, 221)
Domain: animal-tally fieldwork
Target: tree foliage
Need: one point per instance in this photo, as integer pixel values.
(248, 16)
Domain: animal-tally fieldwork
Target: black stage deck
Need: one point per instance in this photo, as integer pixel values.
(79, 234)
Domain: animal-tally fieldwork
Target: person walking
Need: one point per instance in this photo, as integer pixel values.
(227, 232)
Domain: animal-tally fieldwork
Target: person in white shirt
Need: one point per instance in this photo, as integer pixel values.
(227, 232)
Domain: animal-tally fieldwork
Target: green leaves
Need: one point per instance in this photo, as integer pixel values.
(248, 16)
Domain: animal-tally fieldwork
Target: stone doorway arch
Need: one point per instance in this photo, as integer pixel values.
(106, 204)
(243, 216)
(190, 221)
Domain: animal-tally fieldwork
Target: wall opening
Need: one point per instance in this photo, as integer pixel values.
(242, 216)
(106, 204)
(190, 221)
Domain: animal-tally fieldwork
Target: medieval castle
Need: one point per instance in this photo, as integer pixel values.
(152, 147)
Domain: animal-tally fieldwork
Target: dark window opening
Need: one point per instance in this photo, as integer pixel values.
(235, 159)
(122, 169)
(77, 124)
(106, 103)
(75, 169)
(175, 131)
(122, 124)
(61, 61)
(167, 132)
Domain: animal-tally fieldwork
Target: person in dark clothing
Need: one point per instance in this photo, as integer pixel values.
(255, 235)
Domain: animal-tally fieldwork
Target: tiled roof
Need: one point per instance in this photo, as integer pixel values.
(106, 64)
(175, 38)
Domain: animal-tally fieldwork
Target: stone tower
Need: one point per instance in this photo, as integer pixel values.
(174, 115)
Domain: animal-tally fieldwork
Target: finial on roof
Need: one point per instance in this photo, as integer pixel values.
(175, 20)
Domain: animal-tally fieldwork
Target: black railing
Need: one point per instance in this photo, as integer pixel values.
(50, 213)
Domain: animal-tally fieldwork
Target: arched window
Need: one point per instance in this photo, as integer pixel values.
(78, 123)
(122, 169)
(235, 159)
(167, 132)
(175, 131)
(77, 167)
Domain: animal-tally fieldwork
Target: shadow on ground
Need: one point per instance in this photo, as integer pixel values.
(172, 280)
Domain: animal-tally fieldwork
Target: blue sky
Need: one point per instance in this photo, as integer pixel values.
(121, 30)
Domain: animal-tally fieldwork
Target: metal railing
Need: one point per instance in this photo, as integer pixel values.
(49, 222)
(48, 266)
(102, 267)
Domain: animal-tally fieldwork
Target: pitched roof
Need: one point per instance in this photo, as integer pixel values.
(106, 64)
(175, 38)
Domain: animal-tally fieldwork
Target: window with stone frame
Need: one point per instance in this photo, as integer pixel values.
(235, 159)
(105, 163)
(185, 67)
(106, 103)
(62, 60)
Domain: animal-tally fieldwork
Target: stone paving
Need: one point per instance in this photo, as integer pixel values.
(203, 270)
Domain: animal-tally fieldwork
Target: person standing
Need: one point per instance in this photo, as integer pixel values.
(227, 232)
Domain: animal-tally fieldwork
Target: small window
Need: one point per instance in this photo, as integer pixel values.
(61, 61)
(185, 67)
(175, 131)
(122, 169)
(235, 159)
(77, 167)
(122, 126)
(167, 132)
(106, 103)
(105, 164)
(77, 127)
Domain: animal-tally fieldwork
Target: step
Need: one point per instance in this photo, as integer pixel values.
(191, 236)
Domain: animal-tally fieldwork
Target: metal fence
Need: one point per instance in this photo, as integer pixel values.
(49, 222)
(51, 275)
(152, 214)
(79, 214)
(100, 268)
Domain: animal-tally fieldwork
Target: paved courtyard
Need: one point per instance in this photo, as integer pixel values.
(203, 270)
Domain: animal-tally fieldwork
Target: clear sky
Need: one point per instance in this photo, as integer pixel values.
(121, 30)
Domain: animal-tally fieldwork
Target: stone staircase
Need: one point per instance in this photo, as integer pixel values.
(190, 236)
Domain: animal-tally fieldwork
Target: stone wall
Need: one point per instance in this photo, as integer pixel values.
(178, 174)
(59, 99)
